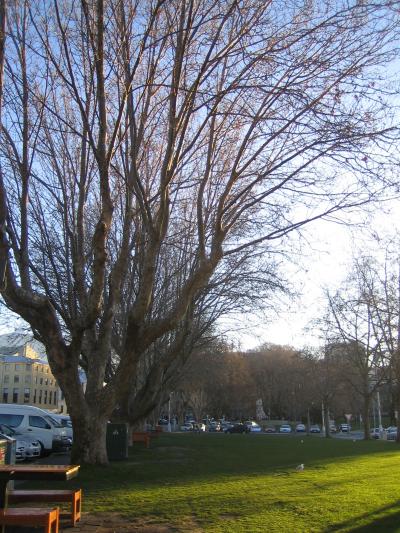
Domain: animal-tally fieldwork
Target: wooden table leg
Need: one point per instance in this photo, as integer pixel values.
(3, 498)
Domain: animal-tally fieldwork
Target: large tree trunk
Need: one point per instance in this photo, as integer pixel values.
(89, 444)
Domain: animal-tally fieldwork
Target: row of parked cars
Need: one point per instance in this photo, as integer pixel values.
(223, 426)
(314, 428)
(389, 433)
(250, 426)
(36, 431)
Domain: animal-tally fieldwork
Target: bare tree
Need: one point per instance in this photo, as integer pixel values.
(3, 203)
(382, 278)
(354, 326)
(148, 145)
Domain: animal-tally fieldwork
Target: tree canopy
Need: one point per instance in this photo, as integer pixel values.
(153, 152)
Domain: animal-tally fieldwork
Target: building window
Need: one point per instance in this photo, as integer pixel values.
(27, 395)
(40, 396)
(36, 380)
(45, 396)
(47, 371)
(50, 396)
(41, 381)
(27, 379)
(55, 398)
(34, 396)
(42, 368)
(6, 379)
(46, 381)
(37, 369)
(16, 379)
(5, 395)
(16, 366)
(15, 395)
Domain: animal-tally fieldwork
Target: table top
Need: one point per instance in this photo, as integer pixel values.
(39, 472)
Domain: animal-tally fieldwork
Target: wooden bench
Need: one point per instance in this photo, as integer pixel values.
(141, 436)
(74, 497)
(32, 517)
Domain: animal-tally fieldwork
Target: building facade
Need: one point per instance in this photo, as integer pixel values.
(25, 375)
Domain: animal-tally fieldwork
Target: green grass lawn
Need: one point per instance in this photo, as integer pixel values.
(248, 483)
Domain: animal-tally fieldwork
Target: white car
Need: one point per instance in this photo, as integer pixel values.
(25, 448)
(253, 426)
(33, 423)
(186, 427)
(285, 428)
(300, 428)
(65, 422)
(391, 433)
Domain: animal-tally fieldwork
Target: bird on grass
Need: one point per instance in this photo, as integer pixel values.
(300, 468)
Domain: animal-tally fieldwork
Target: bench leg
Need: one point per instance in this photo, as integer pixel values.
(76, 507)
(52, 522)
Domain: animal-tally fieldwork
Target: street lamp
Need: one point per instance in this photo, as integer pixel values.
(323, 418)
(169, 413)
(378, 402)
(169, 429)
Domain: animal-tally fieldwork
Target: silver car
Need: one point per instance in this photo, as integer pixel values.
(26, 449)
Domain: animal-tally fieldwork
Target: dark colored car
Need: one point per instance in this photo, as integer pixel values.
(238, 428)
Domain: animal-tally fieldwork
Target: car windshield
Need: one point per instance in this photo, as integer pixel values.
(53, 421)
(6, 430)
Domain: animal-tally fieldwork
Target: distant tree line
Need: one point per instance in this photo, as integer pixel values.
(293, 385)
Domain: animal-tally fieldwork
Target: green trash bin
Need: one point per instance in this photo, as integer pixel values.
(117, 442)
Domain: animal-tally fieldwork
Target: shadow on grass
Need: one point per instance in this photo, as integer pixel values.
(189, 458)
(375, 522)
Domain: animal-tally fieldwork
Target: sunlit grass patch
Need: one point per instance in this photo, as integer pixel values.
(235, 483)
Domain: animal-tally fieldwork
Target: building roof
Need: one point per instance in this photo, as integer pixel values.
(20, 359)
(12, 343)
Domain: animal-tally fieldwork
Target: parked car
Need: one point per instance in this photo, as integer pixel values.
(26, 448)
(199, 427)
(214, 426)
(391, 433)
(226, 425)
(375, 433)
(315, 429)
(20, 446)
(300, 428)
(36, 424)
(285, 428)
(238, 428)
(345, 428)
(333, 428)
(253, 426)
(187, 427)
(65, 422)
(270, 429)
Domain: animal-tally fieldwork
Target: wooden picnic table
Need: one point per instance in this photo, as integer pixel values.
(33, 473)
